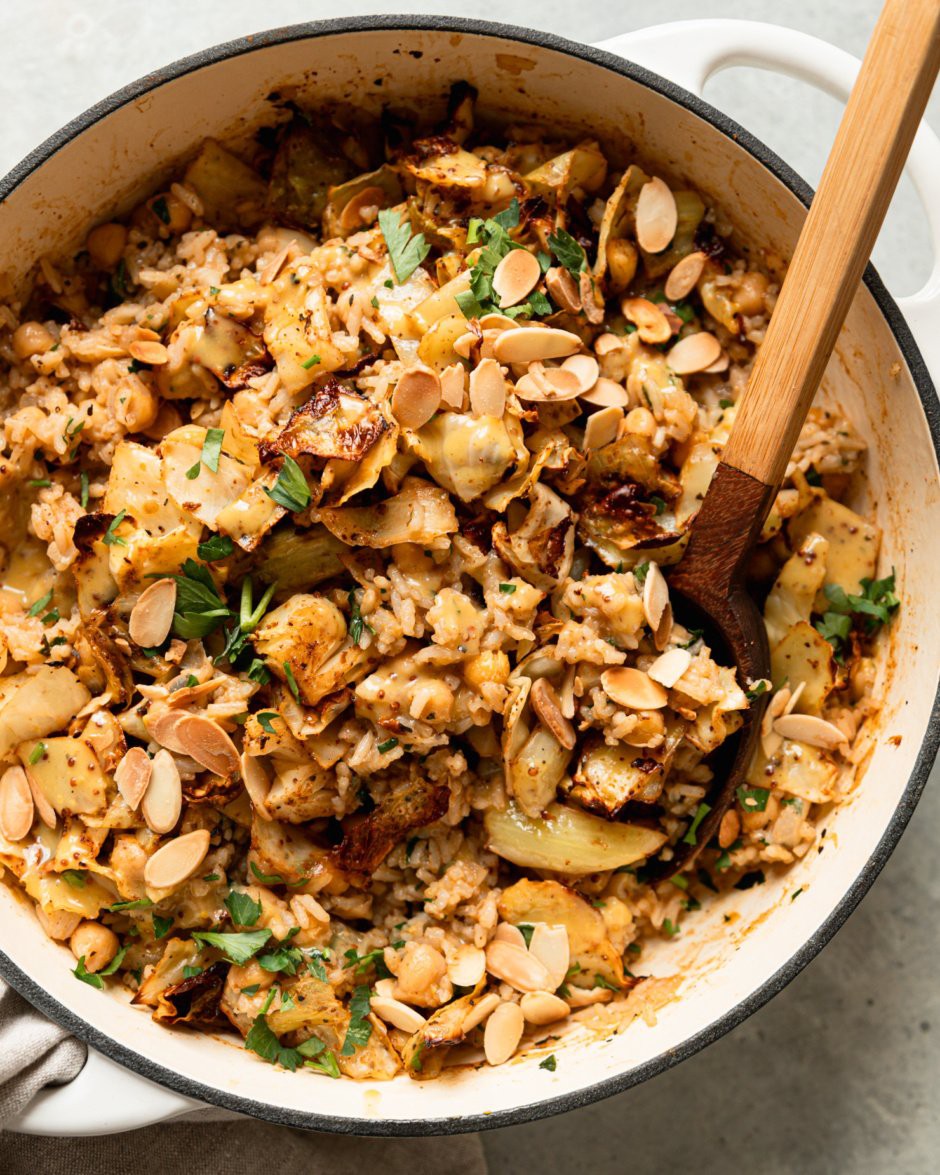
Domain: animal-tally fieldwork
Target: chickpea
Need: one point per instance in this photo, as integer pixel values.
(94, 943)
(105, 244)
(621, 264)
(750, 291)
(419, 969)
(729, 829)
(488, 666)
(641, 422)
(432, 700)
(137, 406)
(31, 338)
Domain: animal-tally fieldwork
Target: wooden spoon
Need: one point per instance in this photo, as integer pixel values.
(870, 148)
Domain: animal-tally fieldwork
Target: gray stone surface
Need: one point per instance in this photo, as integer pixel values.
(839, 1074)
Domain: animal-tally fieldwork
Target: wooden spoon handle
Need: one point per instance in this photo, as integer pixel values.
(872, 143)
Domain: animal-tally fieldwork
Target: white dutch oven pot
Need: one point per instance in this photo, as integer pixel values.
(116, 151)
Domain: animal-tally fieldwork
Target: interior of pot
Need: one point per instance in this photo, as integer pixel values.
(722, 963)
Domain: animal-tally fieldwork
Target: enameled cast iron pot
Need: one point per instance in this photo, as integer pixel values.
(122, 148)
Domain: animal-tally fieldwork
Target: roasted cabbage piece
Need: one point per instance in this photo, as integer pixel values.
(367, 840)
(332, 423)
(307, 165)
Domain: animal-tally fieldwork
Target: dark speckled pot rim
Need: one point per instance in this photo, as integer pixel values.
(416, 1127)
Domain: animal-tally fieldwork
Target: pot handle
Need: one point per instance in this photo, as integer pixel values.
(689, 52)
(104, 1098)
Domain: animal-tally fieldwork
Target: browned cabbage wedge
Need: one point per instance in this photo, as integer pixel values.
(232, 193)
(367, 840)
(383, 182)
(567, 840)
(67, 772)
(795, 588)
(420, 513)
(852, 553)
(304, 632)
(583, 167)
(307, 165)
(33, 705)
(542, 548)
(332, 423)
(804, 657)
(296, 558)
(426, 1051)
(609, 777)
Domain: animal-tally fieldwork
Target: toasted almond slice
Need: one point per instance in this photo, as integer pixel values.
(720, 364)
(257, 783)
(488, 387)
(163, 724)
(606, 343)
(656, 216)
(651, 324)
(633, 688)
(207, 743)
(516, 277)
(663, 629)
(417, 397)
(152, 616)
(602, 428)
(516, 966)
(467, 967)
(385, 988)
(163, 800)
(497, 322)
(683, 276)
(546, 704)
(547, 384)
(506, 932)
(550, 946)
(607, 393)
(541, 1007)
(806, 728)
(693, 353)
(144, 351)
(177, 860)
(397, 1014)
(132, 776)
(453, 379)
(44, 809)
(563, 289)
(592, 304)
(584, 997)
(464, 344)
(585, 368)
(502, 1033)
(16, 804)
(481, 1009)
(526, 344)
(668, 668)
(362, 209)
(190, 693)
(775, 707)
(729, 829)
(655, 595)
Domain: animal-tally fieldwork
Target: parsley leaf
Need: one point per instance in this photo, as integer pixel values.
(315, 964)
(261, 1040)
(237, 948)
(265, 721)
(359, 1030)
(111, 538)
(283, 958)
(290, 490)
(192, 972)
(507, 588)
(374, 958)
(200, 609)
(567, 251)
(245, 911)
(292, 682)
(406, 252)
(266, 878)
(216, 546)
(95, 979)
(139, 904)
(753, 799)
(161, 926)
(212, 448)
(701, 812)
(549, 1063)
(873, 608)
(388, 745)
(527, 930)
(603, 981)
(40, 604)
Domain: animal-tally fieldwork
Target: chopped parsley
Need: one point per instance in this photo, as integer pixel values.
(161, 926)
(217, 546)
(315, 964)
(83, 481)
(691, 836)
(212, 449)
(200, 609)
(670, 929)
(405, 251)
(753, 799)
(111, 537)
(245, 911)
(290, 490)
(758, 688)
(873, 608)
(137, 904)
(568, 252)
(37, 753)
(39, 482)
(507, 588)
(318, 1057)
(640, 573)
(261, 1040)
(356, 623)
(95, 979)
(237, 948)
(359, 1030)
(311, 362)
(292, 682)
(283, 958)
(266, 878)
(388, 745)
(192, 972)
(603, 981)
(659, 504)
(493, 235)
(40, 604)
(549, 1063)
(265, 719)
(74, 877)
(526, 929)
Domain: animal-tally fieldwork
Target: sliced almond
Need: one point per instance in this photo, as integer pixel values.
(497, 322)
(607, 343)
(526, 344)
(464, 344)
(152, 615)
(694, 353)
(397, 1014)
(153, 354)
(132, 776)
(547, 706)
(563, 289)
(585, 368)
(547, 384)
(633, 688)
(683, 276)
(550, 946)
(592, 303)
(516, 966)
(257, 783)
(162, 802)
(467, 966)
(207, 743)
(16, 804)
(806, 728)
(655, 595)
(502, 1033)
(506, 932)
(656, 216)
(488, 387)
(607, 393)
(162, 725)
(602, 428)
(453, 379)
(541, 1007)
(651, 324)
(720, 364)
(668, 668)
(177, 860)
(516, 276)
(44, 809)
(485, 1006)
(417, 397)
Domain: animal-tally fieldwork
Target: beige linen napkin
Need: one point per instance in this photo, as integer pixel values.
(34, 1052)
